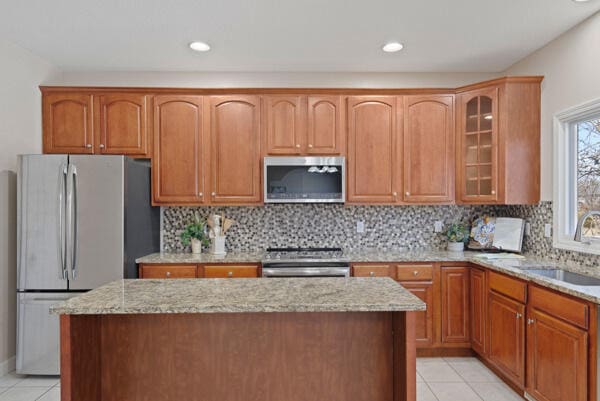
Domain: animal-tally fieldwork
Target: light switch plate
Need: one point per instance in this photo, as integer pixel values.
(438, 226)
(548, 230)
(528, 229)
(360, 226)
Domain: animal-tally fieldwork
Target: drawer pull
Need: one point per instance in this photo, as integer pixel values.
(89, 146)
(416, 273)
(229, 274)
(168, 274)
(372, 274)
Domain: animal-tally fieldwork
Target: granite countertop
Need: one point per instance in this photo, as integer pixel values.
(351, 294)
(230, 257)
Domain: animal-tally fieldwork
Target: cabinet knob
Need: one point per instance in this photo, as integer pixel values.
(395, 194)
(89, 146)
(229, 274)
(200, 194)
(101, 146)
(372, 274)
(310, 145)
(213, 193)
(519, 315)
(530, 321)
(297, 145)
(416, 273)
(168, 274)
(407, 193)
(493, 192)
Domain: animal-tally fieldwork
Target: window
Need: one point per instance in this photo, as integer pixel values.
(577, 177)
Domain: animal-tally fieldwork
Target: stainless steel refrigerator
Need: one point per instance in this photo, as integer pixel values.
(81, 222)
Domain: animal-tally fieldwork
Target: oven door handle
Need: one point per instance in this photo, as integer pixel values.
(306, 272)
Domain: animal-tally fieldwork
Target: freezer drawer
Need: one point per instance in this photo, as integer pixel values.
(38, 340)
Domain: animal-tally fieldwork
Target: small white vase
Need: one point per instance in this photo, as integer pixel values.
(456, 246)
(196, 246)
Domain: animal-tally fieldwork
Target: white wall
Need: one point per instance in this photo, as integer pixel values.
(20, 132)
(20, 106)
(269, 79)
(571, 66)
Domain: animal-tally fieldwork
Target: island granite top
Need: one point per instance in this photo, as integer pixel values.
(351, 294)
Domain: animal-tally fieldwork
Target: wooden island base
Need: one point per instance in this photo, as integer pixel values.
(301, 356)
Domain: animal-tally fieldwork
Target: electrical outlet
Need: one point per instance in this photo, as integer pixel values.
(438, 226)
(360, 226)
(528, 229)
(548, 230)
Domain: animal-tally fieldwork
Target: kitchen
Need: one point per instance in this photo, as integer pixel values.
(324, 165)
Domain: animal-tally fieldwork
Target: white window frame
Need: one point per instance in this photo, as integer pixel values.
(565, 177)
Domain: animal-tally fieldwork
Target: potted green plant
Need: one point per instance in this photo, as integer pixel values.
(195, 234)
(457, 235)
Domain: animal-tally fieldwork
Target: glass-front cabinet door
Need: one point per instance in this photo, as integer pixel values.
(479, 146)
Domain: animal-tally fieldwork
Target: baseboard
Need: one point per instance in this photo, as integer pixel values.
(447, 352)
(7, 366)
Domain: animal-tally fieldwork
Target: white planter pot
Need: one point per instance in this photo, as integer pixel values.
(456, 246)
(196, 246)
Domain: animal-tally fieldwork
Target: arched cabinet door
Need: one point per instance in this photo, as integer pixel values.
(180, 151)
(68, 123)
(325, 135)
(285, 124)
(122, 124)
(235, 149)
(428, 149)
(372, 149)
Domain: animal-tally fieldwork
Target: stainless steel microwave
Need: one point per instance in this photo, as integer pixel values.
(304, 179)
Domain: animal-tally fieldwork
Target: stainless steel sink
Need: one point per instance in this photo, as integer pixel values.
(567, 277)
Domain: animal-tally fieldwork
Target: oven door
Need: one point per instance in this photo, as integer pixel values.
(312, 271)
(304, 180)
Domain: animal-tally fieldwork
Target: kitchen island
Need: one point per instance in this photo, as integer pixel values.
(293, 339)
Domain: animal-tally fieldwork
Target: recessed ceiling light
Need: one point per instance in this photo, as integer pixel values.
(392, 47)
(199, 46)
(580, 1)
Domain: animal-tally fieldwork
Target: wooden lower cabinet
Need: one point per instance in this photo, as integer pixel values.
(424, 321)
(455, 305)
(478, 310)
(167, 271)
(506, 327)
(557, 359)
(228, 271)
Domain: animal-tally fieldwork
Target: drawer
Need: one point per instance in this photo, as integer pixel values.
(563, 307)
(505, 285)
(230, 271)
(168, 271)
(374, 270)
(411, 272)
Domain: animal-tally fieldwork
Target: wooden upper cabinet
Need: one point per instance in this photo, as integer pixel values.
(235, 149)
(122, 124)
(68, 123)
(455, 305)
(498, 142)
(372, 149)
(325, 134)
(428, 149)
(285, 124)
(178, 164)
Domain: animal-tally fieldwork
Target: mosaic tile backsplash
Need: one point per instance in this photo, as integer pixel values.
(386, 227)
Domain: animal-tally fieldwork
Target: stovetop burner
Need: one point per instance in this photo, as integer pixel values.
(304, 253)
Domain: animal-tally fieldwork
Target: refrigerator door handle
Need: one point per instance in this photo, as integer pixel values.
(72, 220)
(62, 240)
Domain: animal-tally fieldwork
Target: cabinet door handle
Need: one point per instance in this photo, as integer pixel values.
(310, 145)
(200, 194)
(530, 321)
(297, 145)
(89, 146)
(101, 146)
(519, 315)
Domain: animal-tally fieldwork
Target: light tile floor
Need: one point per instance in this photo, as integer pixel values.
(459, 379)
(438, 379)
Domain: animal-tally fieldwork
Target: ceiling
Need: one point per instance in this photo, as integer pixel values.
(286, 35)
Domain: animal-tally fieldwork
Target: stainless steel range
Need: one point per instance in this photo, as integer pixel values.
(305, 262)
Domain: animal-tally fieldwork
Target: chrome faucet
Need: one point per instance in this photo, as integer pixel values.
(582, 221)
